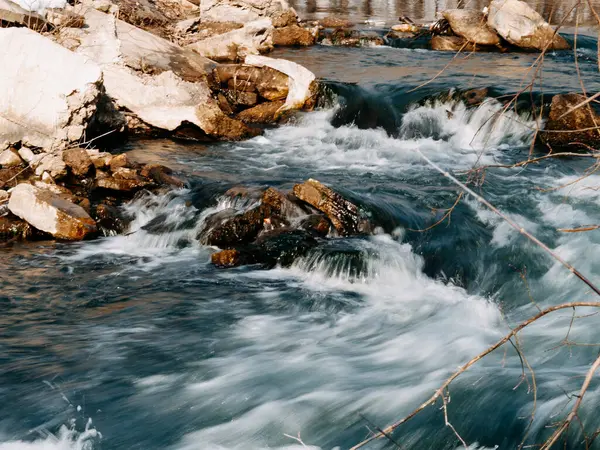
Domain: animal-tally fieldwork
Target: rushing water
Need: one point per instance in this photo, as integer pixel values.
(137, 342)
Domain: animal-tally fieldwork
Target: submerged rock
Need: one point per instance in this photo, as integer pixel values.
(576, 127)
(51, 213)
(516, 22)
(344, 215)
(48, 94)
(472, 26)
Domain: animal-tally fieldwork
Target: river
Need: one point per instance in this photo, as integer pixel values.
(138, 342)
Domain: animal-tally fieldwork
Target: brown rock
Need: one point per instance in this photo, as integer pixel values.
(11, 176)
(265, 113)
(239, 230)
(119, 161)
(316, 224)
(240, 98)
(121, 184)
(582, 118)
(293, 35)
(226, 258)
(472, 26)
(14, 228)
(224, 104)
(285, 18)
(110, 220)
(101, 160)
(78, 160)
(335, 22)
(343, 214)
(281, 204)
(241, 85)
(474, 97)
(451, 44)
(270, 83)
(161, 175)
(51, 213)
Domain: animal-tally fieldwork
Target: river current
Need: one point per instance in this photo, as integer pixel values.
(138, 342)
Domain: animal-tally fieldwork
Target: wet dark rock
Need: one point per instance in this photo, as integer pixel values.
(265, 113)
(285, 205)
(78, 161)
(577, 124)
(344, 215)
(110, 220)
(228, 258)
(161, 175)
(14, 228)
(316, 224)
(244, 192)
(474, 97)
(293, 35)
(351, 38)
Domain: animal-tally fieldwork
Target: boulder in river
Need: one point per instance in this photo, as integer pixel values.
(344, 215)
(265, 113)
(271, 84)
(516, 22)
(301, 83)
(578, 126)
(14, 228)
(472, 26)
(49, 212)
(293, 35)
(48, 94)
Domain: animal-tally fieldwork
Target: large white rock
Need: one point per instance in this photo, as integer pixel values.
(47, 93)
(50, 212)
(253, 38)
(519, 24)
(300, 79)
(241, 11)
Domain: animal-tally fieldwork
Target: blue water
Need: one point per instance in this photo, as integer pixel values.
(140, 341)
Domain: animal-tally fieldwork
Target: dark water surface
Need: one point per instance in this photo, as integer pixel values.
(137, 342)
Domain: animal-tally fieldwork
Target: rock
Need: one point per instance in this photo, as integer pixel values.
(123, 183)
(78, 160)
(204, 30)
(265, 113)
(120, 161)
(47, 93)
(3, 196)
(472, 26)
(227, 258)
(187, 25)
(451, 44)
(14, 228)
(351, 38)
(474, 97)
(49, 212)
(282, 247)
(285, 18)
(10, 158)
(107, 40)
(241, 85)
(26, 154)
(270, 83)
(101, 160)
(239, 230)
(344, 215)
(161, 175)
(519, 24)
(301, 80)
(11, 176)
(224, 104)
(316, 224)
(582, 118)
(241, 11)
(14, 14)
(240, 98)
(110, 220)
(64, 18)
(293, 35)
(405, 28)
(253, 38)
(280, 204)
(335, 22)
(51, 163)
